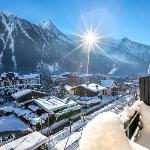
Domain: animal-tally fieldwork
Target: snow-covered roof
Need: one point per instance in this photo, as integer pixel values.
(89, 100)
(55, 77)
(128, 83)
(85, 75)
(33, 107)
(30, 76)
(107, 83)
(28, 142)
(50, 104)
(3, 74)
(67, 87)
(19, 111)
(69, 101)
(21, 93)
(12, 123)
(92, 87)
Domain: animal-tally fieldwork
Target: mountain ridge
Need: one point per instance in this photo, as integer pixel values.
(29, 47)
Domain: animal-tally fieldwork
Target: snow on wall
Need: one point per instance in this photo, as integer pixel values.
(128, 112)
(105, 132)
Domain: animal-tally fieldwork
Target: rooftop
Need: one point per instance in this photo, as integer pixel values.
(50, 104)
(21, 93)
(92, 87)
(28, 142)
(12, 123)
(107, 83)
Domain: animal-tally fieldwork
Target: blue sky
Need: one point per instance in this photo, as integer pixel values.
(115, 18)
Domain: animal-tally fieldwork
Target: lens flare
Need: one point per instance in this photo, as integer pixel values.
(90, 38)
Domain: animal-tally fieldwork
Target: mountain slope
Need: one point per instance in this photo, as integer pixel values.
(26, 47)
(127, 56)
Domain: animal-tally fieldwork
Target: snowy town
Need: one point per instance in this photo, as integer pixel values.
(56, 119)
(74, 75)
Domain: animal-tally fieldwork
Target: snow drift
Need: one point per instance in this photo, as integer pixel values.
(105, 132)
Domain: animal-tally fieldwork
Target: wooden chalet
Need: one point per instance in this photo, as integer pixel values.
(89, 90)
(111, 85)
(24, 96)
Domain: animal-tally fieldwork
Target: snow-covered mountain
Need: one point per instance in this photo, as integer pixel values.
(27, 47)
(130, 57)
(127, 56)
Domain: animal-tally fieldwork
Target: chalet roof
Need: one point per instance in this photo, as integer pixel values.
(107, 83)
(70, 101)
(24, 92)
(67, 87)
(59, 77)
(50, 104)
(33, 107)
(30, 141)
(12, 123)
(21, 93)
(30, 76)
(85, 75)
(92, 87)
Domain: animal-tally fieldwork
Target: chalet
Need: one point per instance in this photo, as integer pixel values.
(24, 96)
(50, 104)
(89, 90)
(111, 85)
(62, 110)
(31, 141)
(33, 115)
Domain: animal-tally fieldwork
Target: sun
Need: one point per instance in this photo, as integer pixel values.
(89, 39)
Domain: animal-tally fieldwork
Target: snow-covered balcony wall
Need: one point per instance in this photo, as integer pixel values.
(106, 131)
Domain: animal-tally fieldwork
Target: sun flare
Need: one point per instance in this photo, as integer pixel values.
(90, 38)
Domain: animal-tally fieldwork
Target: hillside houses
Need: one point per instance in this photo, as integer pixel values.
(72, 78)
(88, 90)
(106, 87)
(10, 79)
